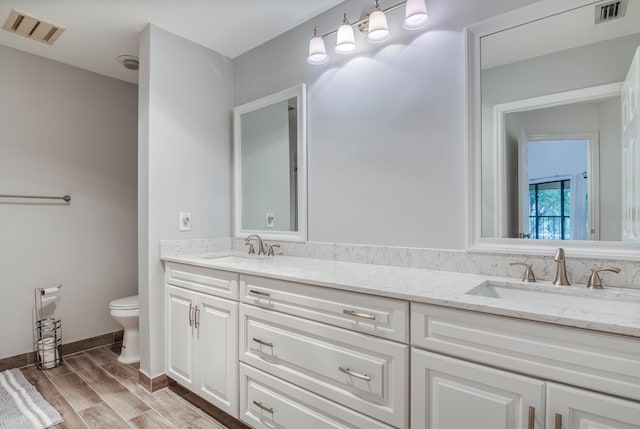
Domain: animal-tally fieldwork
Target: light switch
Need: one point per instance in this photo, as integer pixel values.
(269, 220)
(185, 221)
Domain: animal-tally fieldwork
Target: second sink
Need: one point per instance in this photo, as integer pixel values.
(550, 296)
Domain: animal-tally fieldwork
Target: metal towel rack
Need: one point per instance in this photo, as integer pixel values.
(66, 198)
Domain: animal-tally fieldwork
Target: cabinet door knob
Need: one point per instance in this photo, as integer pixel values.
(532, 418)
(190, 315)
(355, 374)
(263, 343)
(558, 424)
(360, 315)
(197, 317)
(259, 405)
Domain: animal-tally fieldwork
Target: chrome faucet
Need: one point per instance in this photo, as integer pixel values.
(262, 250)
(595, 282)
(528, 276)
(561, 269)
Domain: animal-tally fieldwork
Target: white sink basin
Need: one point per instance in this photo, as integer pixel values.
(235, 258)
(590, 300)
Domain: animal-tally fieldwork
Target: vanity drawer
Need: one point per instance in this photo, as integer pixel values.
(268, 402)
(605, 362)
(319, 358)
(379, 316)
(206, 280)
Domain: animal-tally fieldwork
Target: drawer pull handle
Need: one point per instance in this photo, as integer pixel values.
(259, 405)
(257, 292)
(261, 342)
(355, 374)
(197, 317)
(190, 315)
(558, 421)
(361, 315)
(532, 418)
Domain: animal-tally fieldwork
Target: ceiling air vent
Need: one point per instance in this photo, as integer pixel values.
(610, 10)
(33, 28)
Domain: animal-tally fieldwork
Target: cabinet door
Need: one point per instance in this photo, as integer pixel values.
(217, 352)
(571, 408)
(448, 393)
(180, 335)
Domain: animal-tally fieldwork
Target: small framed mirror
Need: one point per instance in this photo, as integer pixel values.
(270, 166)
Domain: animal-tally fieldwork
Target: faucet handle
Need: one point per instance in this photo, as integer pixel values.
(595, 282)
(270, 251)
(528, 275)
(252, 250)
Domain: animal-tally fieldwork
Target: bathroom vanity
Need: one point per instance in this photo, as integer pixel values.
(297, 342)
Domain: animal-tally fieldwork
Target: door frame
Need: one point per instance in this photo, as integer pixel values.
(593, 173)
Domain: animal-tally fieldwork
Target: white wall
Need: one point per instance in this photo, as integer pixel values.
(386, 139)
(65, 131)
(185, 105)
(265, 167)
(555, 160)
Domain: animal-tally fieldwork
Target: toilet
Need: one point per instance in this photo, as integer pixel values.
(126, 312)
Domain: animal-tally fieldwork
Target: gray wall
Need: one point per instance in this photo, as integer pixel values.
(185, 105)
(386, 139)
(65, 130)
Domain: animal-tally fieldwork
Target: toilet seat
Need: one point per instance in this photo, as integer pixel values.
(127, 303)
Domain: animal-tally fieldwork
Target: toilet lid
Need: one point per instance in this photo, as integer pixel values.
(128, 303)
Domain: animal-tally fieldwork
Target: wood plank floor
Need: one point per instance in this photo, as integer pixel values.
(93, 390)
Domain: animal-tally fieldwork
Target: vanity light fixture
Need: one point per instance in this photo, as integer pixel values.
(346, 41)
(378, 27)
(373, 22)
(317, 50)
(416, 16)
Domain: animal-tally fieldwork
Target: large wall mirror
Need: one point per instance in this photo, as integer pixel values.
(270, 179)
(554, 132)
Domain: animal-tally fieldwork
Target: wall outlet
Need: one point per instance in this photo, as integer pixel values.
(269, 220)
(185, 221)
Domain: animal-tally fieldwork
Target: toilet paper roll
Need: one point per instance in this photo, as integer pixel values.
(49, 291)
(47, 352)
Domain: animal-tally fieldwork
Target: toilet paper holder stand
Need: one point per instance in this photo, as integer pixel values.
(47, 337)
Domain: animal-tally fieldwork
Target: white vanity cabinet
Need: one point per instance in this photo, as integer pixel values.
(452, 392)
(571, 408)
(201, 337)
(344, 378)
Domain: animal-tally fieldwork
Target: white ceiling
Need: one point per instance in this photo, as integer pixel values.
(97, 31)
(556, 33)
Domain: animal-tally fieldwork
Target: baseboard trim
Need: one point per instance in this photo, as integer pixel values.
(29, 358)
(152, 384)
(227, 420)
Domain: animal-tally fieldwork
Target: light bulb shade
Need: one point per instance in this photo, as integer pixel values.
(317, 51)
(346, 41)
(416, 16)
(378, 28)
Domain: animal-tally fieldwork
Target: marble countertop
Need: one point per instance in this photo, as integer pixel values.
(440, 288)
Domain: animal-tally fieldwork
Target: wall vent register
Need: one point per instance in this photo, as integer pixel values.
(610, 10)
(33, 28)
